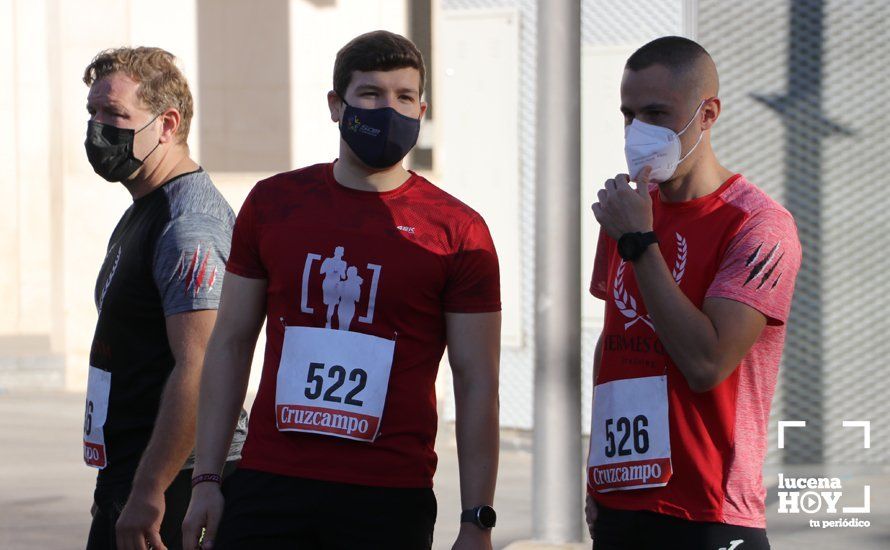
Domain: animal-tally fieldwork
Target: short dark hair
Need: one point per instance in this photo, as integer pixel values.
(376, 51)
(674, 52)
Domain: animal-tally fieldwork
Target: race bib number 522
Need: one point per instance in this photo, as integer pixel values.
(332, 382)
(630, 446)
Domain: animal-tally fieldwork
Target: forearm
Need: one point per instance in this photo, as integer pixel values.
(173, 436)
(687, 333)
(478, 439)
(597, 358)
(223, 387)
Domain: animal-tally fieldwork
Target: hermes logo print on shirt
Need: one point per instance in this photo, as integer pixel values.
(627, 304)
(341, 288)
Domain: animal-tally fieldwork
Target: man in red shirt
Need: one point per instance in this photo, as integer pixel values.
(365, 272)
(697, 269)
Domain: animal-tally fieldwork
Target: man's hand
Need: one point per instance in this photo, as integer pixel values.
(472, 538)
(622, 209)
(590, 511)
(139, 524)
(205, 511)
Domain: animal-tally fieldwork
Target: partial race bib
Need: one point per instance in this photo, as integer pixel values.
(630, 445)
(332, 382)
(95, 415)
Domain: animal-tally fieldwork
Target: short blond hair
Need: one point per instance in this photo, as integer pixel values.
(161, 84)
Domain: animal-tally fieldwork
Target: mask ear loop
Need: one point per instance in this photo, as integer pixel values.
(147, 124)
(150, 122)
(688, 124)
(348, 106)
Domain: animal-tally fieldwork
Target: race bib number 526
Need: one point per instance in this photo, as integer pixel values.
(630, 445)
(332, 382)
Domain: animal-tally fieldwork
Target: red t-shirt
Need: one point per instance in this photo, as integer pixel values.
(736, 243)
(420, 253)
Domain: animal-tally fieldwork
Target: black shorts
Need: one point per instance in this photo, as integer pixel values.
(633, 530)
(110, 500)
(266, 510)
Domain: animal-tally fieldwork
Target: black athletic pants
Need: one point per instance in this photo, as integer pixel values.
(110, 500)
(641, 530)
(266, 510)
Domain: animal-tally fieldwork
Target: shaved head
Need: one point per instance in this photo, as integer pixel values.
(691, 66)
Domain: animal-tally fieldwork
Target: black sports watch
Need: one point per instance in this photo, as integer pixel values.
(482, 517)
(632, 245)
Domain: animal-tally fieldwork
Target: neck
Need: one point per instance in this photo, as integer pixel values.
(174, 162)
(705, 175)
(354, 174)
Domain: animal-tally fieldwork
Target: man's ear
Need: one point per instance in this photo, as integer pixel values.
(423, 107)
(170, 120)
(711, 112)
(335, 104)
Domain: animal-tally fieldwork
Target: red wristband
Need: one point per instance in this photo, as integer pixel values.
(215, 478)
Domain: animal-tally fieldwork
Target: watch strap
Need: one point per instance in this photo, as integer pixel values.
(648, 238)
(473, 516)
(469, 516)
(639, 241)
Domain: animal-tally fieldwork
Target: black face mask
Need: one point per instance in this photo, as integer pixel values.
(379, 137)
(110, 150)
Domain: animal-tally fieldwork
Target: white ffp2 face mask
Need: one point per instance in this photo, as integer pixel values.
(655, 146)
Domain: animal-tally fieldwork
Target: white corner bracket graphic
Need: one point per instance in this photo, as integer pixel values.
(866, 430)
(866, 508)
(788, 424)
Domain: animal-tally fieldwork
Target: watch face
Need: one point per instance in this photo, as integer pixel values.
(487, 517)
(627, 246)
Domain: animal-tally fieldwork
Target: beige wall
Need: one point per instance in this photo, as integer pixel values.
(58, 214)
(244, 84)
(318, 29)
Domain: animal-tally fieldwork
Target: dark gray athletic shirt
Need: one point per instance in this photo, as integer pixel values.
(167, 255)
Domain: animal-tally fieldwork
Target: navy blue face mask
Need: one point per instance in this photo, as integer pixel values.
(379, 137)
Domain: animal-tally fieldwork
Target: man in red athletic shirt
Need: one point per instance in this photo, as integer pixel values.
(365, 272)
(697, 269)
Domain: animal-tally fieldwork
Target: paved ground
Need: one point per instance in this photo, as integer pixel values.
(45, 491)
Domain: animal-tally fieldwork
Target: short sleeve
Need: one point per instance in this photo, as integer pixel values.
(245, 259)
(599, 280)
(474, 284)
(760, 265)
(190, 259)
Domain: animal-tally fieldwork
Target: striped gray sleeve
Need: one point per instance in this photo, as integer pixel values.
(189, 263)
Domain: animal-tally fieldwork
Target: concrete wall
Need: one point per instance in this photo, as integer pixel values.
(58, 214)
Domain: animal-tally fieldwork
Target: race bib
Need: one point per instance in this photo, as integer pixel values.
(95, 415)
(630, 446)
(332, 382)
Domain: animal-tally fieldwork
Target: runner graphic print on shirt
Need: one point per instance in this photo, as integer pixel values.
(349, 291)
(341, 288)
(334, 381)
(334, 270)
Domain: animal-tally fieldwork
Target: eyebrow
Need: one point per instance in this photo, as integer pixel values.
(368, 87)
(109, 104)
(375, 88)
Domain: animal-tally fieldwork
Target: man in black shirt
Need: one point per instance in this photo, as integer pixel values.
(157, 295)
